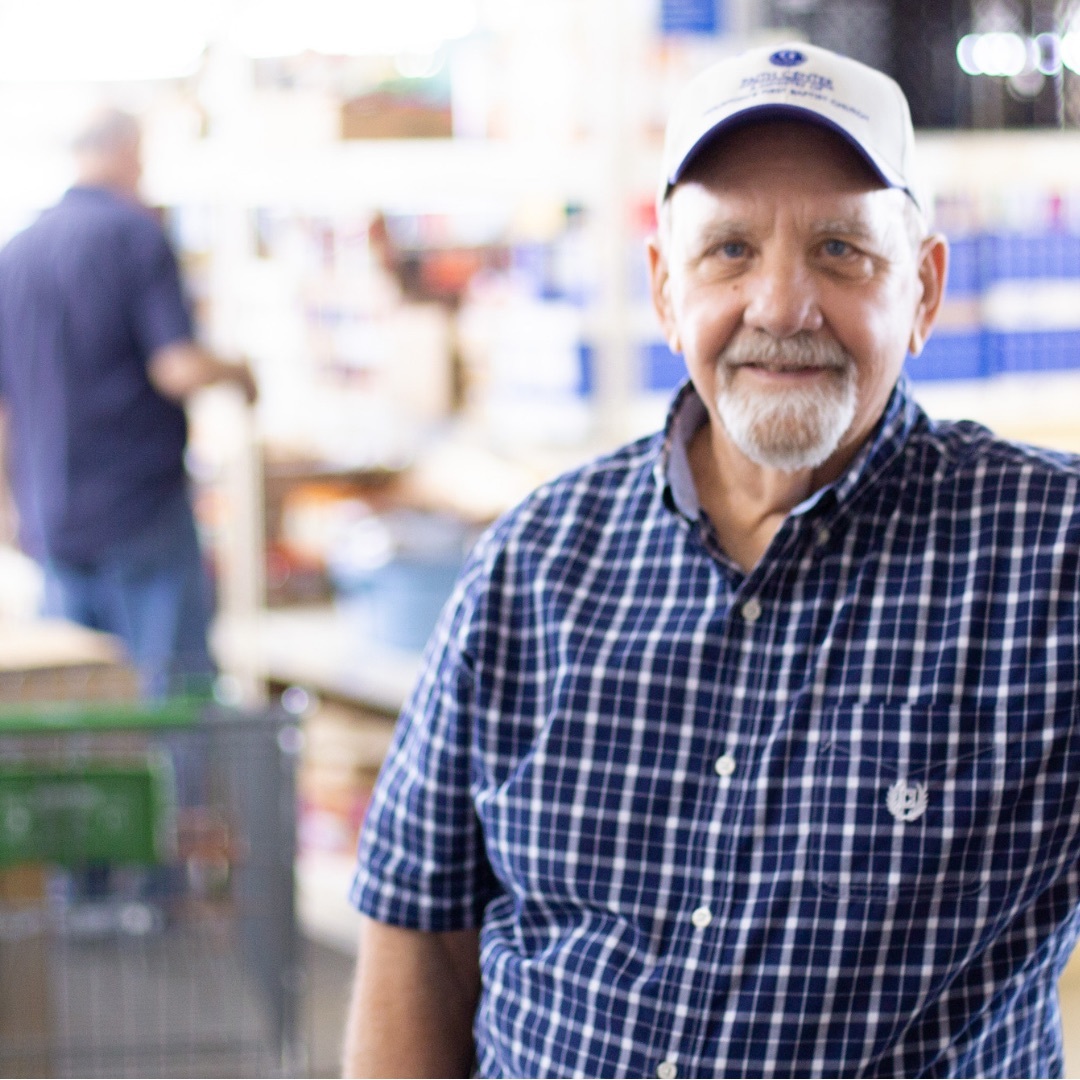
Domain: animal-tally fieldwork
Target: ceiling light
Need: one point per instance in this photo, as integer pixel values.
(1048, 54)
(107, 41)
(1070, 51)
(268, 28)
(1000, 53)
(965, 54)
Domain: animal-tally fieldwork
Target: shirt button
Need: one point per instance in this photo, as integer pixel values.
(751, 610)
(701, 917)
(667, 1070)
(823, 536)
(725, 765)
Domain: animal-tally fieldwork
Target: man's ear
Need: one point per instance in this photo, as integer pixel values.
(660, 288)
(933, 266)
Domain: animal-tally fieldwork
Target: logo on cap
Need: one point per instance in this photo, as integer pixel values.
(787, 58)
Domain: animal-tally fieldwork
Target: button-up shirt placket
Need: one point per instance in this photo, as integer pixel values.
(750, 665)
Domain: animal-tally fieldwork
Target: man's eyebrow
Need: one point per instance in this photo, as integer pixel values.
(845, 226)
(719, 232)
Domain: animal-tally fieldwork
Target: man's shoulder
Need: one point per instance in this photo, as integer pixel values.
(963, 471)
(101, 212)
(965, 447)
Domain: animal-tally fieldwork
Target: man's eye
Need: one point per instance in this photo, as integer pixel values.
(733, 249)
(837, 249)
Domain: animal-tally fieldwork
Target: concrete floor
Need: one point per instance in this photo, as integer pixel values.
(188, 1000)
(328, 980)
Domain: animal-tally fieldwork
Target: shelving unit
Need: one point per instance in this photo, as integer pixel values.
(1014, 302)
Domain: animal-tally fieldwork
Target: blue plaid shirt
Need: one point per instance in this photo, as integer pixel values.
(820, 819)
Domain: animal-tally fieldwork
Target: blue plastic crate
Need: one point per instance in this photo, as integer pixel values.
(965, 266)
(1008, 256)
(661, 368)
(587, 376)
(1033, 350)
(950, 355)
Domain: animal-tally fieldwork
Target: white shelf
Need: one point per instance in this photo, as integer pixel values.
(323, 909)
(419, 175)
(987, 161)
(1038, 408)
(322, 649)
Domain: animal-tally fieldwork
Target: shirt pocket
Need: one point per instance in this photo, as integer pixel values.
(903, 803)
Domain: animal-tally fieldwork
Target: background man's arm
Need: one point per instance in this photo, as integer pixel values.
(413, 1003)
(179, 369)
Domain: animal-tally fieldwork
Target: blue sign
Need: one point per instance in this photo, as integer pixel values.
(692, 17)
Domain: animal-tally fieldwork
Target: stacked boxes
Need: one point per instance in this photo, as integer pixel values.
(344, 748)
(956, 349)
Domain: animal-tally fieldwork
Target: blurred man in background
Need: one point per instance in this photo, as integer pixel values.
(97, 358)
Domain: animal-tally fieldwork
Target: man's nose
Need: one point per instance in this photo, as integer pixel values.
(782, 300)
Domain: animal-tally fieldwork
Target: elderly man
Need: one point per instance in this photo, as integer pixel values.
(97, 356)
(751, 748)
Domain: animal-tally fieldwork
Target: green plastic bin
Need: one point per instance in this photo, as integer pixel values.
(72, 814)
(69, 809)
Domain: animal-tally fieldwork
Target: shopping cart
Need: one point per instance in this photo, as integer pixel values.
(147, 923)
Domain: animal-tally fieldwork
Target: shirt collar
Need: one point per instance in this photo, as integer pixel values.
(100, 193)
(687, 414)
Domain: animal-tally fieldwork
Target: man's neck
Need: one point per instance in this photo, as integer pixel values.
(109, 181)
(746, 502)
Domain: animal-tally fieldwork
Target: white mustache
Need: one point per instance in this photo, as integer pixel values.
(786, 354)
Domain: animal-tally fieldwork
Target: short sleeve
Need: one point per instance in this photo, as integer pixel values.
(421, 860)
(160, 314)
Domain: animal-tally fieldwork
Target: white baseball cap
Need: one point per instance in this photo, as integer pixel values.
(799, 82)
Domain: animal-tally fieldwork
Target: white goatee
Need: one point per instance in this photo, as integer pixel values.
(797, 428)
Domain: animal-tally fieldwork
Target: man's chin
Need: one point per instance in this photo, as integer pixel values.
(781, 435)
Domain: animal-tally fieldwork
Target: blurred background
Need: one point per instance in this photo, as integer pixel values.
(422, 223)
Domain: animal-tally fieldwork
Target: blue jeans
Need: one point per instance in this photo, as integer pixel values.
(152, 591)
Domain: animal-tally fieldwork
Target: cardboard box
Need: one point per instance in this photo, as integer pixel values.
(343, 751)
(382, 115)
(24, 973)
(52, 660)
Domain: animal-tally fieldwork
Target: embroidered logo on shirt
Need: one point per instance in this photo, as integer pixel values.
(907, 802)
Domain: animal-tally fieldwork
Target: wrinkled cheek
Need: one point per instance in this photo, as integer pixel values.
(707, 376)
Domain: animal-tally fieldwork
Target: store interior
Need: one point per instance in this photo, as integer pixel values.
(423, 225)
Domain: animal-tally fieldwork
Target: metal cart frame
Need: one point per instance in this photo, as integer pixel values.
(187, 962)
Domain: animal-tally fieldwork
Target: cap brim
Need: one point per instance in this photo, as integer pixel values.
(757, 113)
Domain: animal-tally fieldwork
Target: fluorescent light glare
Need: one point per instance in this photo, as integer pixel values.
(114, 40)
(419, 65)
(965, 54)
(353, 27)
(1000, 53)
(1047, 54)
(1070, 51)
